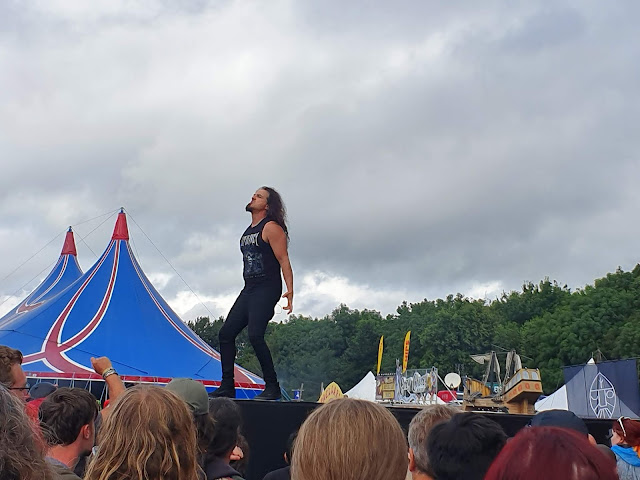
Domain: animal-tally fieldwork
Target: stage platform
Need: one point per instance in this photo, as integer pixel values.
(267, 425)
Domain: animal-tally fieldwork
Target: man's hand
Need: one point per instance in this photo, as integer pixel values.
(100, 365)
(274, 235)
(289, 297)
(114, 382)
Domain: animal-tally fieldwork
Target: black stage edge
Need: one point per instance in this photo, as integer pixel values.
(267, 426)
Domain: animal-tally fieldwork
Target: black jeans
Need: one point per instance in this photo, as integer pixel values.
(253, 308)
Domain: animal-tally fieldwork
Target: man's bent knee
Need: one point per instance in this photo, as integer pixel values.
(256, 339)
(225, 336)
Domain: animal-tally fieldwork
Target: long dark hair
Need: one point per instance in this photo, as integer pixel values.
(276, 211)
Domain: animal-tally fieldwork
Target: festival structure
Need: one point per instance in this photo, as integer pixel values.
(602, 389)
(111, 310)
(517, 393)
(64, 273)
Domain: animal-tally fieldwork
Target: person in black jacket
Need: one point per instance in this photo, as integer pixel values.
(284, 473)
(228, 420)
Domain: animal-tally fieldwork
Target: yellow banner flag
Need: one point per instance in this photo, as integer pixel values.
(380, 354)
(405, 355)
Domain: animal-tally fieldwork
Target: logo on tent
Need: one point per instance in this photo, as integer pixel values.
(602, 397)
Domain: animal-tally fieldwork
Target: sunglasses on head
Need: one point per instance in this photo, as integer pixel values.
(624, 432)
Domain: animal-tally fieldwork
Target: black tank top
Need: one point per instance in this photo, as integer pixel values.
(260, 264)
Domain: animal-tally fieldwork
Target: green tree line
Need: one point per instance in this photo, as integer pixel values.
(550, 325)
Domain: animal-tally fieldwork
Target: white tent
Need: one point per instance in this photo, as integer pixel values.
(365, 389)
(558, 399)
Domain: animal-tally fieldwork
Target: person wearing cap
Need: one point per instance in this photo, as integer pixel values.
(195, 396)
(37, 394)
(41, 390)
(562, 419)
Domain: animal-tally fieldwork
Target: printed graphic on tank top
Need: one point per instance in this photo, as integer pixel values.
(257, 256)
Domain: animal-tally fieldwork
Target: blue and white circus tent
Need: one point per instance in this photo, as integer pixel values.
(111, 310)
(64, 273)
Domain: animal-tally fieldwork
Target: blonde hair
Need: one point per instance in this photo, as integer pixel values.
(21, 456)
(149, 435)
(349, 439)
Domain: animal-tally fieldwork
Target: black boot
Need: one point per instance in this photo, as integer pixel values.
(226, 389)
(271, 392)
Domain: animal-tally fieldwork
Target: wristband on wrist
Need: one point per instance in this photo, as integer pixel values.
(109, 371)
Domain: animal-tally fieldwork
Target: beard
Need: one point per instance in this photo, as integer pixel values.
(85, 453)
(248, 207)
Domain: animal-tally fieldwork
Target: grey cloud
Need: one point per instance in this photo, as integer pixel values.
(420, 147)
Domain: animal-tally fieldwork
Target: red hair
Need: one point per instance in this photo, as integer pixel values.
(549, 453)
(631, 432)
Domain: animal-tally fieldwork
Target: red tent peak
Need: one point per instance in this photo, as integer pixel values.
(121, 232)
(69, 247)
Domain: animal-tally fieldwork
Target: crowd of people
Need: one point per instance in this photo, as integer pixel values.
(179, 432)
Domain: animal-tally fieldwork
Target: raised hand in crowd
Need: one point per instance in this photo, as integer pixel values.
(103, 367)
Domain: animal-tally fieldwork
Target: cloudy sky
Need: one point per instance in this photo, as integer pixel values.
(423, 148)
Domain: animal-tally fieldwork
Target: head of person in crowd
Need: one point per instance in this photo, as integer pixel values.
(349, 439)
(284, 473)
(11, 374)
(562, 419)
(37, 394)
(195, 396)
(606, 451)
(41, 390)
(240, 455)
(464, 446)
(228, 421)
(149, 435)
(21, 457)
(67, 420)
(625, 445)
(288, 453)
(419, 429)
(550, 453)
(625, 431)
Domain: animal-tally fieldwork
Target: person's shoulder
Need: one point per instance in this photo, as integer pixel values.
(273, 231)
(63, 473)
(271, 224)
(280, 474)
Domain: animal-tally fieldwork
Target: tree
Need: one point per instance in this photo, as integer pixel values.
(545, 321)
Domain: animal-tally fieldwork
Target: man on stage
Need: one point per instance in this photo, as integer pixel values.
(264, 253)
